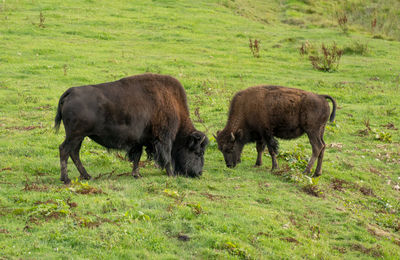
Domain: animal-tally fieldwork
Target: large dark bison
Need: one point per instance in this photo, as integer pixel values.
(260, 113)
(145, 110)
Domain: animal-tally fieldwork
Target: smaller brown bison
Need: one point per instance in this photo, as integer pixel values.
(261, 113)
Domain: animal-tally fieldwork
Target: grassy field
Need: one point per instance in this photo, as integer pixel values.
(352, 211)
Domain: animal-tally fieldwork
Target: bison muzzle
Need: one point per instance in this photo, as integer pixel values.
(261, 113)
(147, 110)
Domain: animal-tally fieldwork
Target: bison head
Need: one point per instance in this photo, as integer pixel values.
(231, 146)
(189, 155)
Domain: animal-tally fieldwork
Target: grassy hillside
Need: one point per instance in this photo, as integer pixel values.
(352, 211)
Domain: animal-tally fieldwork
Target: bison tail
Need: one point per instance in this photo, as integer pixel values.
(333, 114)
(58, 118)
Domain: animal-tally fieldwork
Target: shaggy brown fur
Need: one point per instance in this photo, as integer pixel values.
(260, 113)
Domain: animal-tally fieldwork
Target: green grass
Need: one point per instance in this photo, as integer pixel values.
(244, 212)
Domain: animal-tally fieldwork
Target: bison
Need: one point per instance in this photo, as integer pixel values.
(147, 110)
(261, 113)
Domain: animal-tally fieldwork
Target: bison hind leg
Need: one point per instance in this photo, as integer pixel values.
(273, 146)
(260, 146)
(64, 155)
(318, 147)
(70, 148)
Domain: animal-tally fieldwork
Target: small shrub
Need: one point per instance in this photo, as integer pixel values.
(342, 22)
(373, 25)
(41, 20)
(357, 47)
(383, 136)
(312, 187)
(306, 48)
(255, 47)
(235, 250)
(196, 207)
(327, 59)
(367, 129)
(133, 215)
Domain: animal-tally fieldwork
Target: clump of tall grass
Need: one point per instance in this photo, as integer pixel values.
(255, 47)
(327, 58)
(357, 47)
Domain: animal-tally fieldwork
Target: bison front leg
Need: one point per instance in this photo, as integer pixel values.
(163, 155)
(260, 146)
(134, 156)
(169, 170)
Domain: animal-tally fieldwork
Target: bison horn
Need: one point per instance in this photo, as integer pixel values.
(215, 136)
(202, 139)
(233, 136)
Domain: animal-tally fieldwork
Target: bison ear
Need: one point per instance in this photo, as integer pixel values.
(197, 138)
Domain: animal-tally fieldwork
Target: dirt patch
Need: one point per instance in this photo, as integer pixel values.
(290, 240)
(93, 224)
(53, 215)
(72, 204)
(35, 187)
(337, 146)
(377, 231)
(367, 191)
(282, 171)
(24, 128)
(45, 202)
(376, 171)
(213, 197)
(263, 201)
(41, 173)
(263, 185)
(338, 184)
(90, 190)
(390, 126)
(5, 169)
(373, 251)
(340, 249)
(4, 231)
(45, 107)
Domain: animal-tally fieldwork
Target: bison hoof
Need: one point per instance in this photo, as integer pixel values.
(137, 176)
(317, 174)
(257, 165)
(85, 177)
(66, 181)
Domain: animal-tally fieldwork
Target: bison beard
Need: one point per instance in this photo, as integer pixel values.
(146, 110)
(261, 113)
